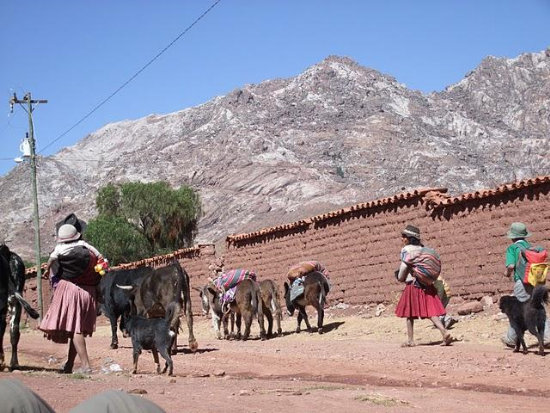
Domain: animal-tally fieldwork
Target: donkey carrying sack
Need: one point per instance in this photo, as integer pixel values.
(533, 259)
(425, 265)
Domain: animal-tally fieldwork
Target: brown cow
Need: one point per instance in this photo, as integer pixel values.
(166, 287)
(271, 305)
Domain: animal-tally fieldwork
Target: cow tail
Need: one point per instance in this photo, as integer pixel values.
(30, 311)
(186, 294)
(169, 312)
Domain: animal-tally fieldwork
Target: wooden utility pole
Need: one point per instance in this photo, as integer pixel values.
(30, 102)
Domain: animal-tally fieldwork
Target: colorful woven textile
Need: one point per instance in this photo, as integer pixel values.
(232, 278)
(425, 265)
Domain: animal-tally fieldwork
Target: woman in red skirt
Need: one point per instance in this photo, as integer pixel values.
(72, 313)
(417, 300)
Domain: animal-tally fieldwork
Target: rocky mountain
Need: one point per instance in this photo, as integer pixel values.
(285, 149)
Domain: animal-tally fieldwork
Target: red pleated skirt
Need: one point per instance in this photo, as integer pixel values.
(416, 302)
(73, 310)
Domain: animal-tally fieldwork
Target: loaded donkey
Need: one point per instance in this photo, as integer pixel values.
(237, 293)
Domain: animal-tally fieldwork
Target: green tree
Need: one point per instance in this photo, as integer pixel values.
(117, 239)
(166, 218)
(108, 200)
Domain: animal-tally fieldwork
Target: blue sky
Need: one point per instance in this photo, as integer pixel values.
(76, 54)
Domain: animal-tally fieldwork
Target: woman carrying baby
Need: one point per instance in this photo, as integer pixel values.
(417, 300)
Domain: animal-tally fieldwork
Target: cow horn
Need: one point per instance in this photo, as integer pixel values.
(125, 287)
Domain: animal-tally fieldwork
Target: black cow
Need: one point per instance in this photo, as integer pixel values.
(114, 302)
(165, 287)
(12, 281)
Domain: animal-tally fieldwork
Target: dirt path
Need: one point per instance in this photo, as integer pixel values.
(358, 365)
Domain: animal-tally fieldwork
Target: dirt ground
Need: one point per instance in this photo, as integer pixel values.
(357, 365)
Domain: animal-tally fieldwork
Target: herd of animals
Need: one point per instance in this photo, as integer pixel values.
(146, 303)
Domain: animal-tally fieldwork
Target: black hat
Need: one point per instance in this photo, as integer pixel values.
(411, 231)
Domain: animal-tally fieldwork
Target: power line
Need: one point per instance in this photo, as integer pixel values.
(131, 78)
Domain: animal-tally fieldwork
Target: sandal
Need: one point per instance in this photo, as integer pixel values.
(447, 339)
(83, 370)
(408, 344)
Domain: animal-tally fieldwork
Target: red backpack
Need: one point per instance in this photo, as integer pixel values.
(533, 265)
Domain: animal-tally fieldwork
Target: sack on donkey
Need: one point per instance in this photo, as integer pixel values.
(425, 265)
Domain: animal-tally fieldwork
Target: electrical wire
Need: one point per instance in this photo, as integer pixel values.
(100, 104)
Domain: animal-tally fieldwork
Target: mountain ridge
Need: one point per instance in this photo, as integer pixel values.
(284, 149)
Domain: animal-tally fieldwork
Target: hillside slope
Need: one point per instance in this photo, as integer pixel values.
(284, 149)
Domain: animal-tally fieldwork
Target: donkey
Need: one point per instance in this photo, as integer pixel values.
(247, 305)
(271, 305)
(12, 281)
(316, 288)
(210, 304)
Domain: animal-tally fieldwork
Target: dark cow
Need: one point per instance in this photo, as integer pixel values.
(247, 305)
(316, 288)
(166, 287)
(114, 302)
(12, 281)
(271, 305)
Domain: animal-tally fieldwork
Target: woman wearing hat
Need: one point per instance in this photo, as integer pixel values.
(417, 300)
(72, 312)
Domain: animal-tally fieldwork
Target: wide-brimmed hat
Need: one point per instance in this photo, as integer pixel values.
(411, 231)
(67, 232)
(518, 230)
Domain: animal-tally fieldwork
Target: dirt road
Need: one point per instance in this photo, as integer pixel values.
(358, 365)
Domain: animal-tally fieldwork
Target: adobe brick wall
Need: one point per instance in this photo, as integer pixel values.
(198, 267)
(360, 246)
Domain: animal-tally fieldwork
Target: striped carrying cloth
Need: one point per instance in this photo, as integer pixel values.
(425, 264)
(232, 278)
(228, 281)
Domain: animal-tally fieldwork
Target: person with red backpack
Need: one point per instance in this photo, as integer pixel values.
(71, 315)
(518, 257)
(420, 267)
